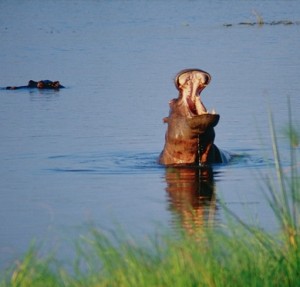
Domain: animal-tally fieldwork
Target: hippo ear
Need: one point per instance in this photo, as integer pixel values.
(55, 84)
(165, 120)
(32, 84)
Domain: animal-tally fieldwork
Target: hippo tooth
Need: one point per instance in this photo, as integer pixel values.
(213, 112)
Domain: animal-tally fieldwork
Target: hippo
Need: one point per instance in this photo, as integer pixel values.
(43, 84)
(190, 134)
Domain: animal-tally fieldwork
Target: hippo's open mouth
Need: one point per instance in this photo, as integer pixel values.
(190, 84)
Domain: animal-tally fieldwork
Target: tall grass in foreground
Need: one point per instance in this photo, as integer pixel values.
(238, 255)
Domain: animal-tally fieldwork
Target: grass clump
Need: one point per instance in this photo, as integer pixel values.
(235, 258)
(236, 255)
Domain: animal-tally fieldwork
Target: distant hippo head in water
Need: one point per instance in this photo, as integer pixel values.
(190, 134)
(43, 84)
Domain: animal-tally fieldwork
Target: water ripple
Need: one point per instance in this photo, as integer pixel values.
(138, 163)
(107, 163)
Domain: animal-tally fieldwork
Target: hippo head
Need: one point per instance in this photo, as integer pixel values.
(45, 84)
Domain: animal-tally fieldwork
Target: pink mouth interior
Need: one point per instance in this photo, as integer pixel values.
(191, 105)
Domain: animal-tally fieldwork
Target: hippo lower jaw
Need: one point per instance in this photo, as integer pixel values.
(201, 123)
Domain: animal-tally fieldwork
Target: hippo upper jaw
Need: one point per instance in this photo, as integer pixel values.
(190, 83)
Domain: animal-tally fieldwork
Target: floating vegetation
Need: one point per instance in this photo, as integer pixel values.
(260, 22)
(272, 23)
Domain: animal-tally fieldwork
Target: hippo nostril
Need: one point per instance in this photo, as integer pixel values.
(207, 80)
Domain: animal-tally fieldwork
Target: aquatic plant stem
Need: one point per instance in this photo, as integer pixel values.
(294, 172)
(284, 206)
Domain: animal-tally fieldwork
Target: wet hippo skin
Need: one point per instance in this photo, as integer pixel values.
(43, 84)
(190, 134)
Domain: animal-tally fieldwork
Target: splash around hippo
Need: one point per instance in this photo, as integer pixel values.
(190, 134)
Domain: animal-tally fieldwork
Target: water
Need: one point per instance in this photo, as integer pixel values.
(88, 153)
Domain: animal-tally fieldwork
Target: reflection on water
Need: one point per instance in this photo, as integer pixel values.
(192, 196)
